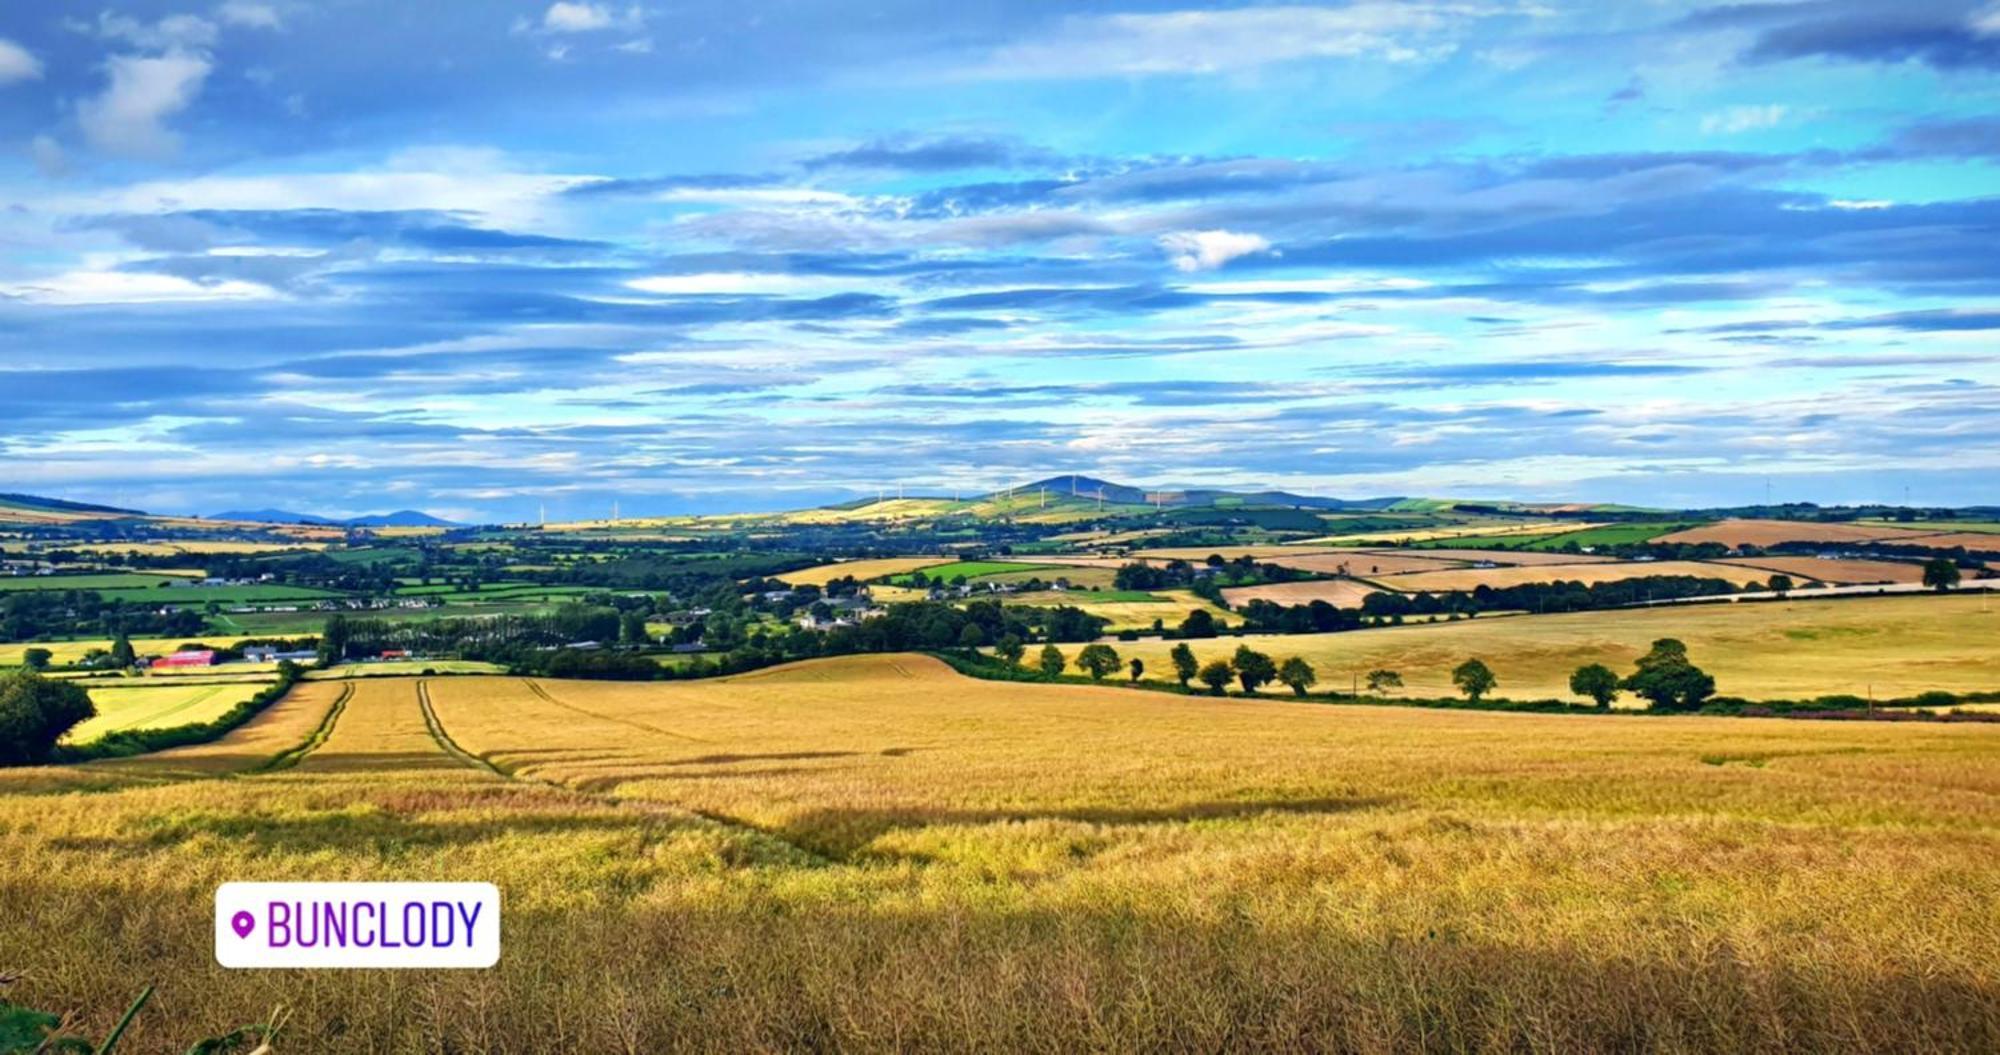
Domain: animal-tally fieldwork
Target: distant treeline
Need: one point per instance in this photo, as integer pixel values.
(28, 615)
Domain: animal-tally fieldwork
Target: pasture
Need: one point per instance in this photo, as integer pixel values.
(973, 569)
(1892, 646)
(873, 853)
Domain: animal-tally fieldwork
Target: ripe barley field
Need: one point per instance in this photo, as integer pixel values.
(875, 854)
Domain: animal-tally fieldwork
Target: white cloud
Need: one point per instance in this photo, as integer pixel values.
(566, 17)
(1194, 42)
(250, 14)
(1739, 119)
(1208, 250)
(122, 287)
(1986, 23)
(16, 64)
(636, 46)
(144, 91)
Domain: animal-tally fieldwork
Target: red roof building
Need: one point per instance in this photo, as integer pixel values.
(187, 659)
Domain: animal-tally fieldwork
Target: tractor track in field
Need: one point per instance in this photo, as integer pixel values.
(536, 688)
(293, 756)
(656, 809)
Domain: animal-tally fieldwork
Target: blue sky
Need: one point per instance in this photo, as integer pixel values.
(348, 255)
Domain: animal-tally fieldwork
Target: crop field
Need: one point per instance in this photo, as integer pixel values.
(1976, 527)
(1340, 593)
(1608, 571)
(1836, 571)
(1973, 540)
(384, 668)
(873, 853)
(1196, 554)
(1611, 535)
(861, 570)
(66, 652)
(150, 704)
(1496, 556)
(1082, 575)
(1130, 610)
(1470, 532)
(1891, 645)
(1364, 562)
(220, 594)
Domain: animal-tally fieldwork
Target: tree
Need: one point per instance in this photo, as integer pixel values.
(1253, 668)
(1380, 681)
(1596, 681)
(1198, 624)
(1781, 584)
(1668, 680)
(1474, 678)
(632, 629)
(1940, 573)
(1298, 674)
(1185, 665)
(121, 651)
(1097, 661)
(37, 658)
(1052, 661)
(1216, 674)
(971, 637)
(1138, 667)
(35, 712)
(1011, 649)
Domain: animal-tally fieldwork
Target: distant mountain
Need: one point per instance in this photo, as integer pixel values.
(1094, 489)
(400, 518)
(59, 505)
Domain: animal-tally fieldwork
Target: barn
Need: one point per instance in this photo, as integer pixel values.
(198, 658)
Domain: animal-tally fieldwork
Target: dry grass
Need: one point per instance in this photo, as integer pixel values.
(861, 570)
(873, 854)
(1896, 645)
(1602, 571)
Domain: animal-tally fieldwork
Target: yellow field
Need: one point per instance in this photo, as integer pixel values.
(875, 854)
(282, 726)
(1201, 553)
(405, 667)
(1367, 563)
(1772, 532)
(1482, 530)
(1893, 645)
(861, 570)
(1340, 593)
(157, 705)
(1593, 572)
(65, 652)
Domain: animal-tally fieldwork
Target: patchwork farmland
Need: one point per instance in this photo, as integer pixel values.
(835, 842)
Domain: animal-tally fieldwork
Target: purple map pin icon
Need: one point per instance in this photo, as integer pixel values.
(243, 923)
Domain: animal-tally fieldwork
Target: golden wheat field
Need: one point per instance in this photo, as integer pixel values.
(860, 570)
(1591, 572)
(1889, 645)
(874, 853)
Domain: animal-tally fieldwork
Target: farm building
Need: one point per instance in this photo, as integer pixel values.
(197, 658)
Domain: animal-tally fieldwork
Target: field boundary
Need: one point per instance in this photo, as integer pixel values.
(292, 756)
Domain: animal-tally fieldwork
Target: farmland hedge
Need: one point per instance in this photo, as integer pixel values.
(127, 742)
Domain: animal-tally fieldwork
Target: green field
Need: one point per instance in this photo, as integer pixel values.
(160, 704)
(1608, 535)
(109, 581)
(255, 593)
(973, 569)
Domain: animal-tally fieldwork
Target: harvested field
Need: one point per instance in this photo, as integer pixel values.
(1502, 556)
(1609, 571)
(861, 570)
(1984, 541)
(1340, 593)
(1194, 554)
(1771, 532)
(1839, 572)
(1798, 649)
